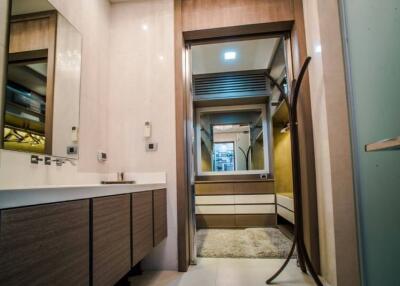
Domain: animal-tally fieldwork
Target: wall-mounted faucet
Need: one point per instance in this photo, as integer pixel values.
(35, 159)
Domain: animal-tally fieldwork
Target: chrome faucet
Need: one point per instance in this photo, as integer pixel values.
(120, 176)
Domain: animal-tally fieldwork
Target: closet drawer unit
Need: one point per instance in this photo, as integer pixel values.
(214, 189)
(285, 201)
(246, 188)
(219, 209)
(254, 199)
(286, 214)
(254, 209)
(215, 200)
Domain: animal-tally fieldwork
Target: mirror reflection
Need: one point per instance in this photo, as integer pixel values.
(41, 102)
(231, 140)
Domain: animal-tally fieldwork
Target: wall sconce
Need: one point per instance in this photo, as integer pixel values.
(285, 129)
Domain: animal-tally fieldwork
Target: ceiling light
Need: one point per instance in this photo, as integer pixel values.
(228, 56)
(145, 27)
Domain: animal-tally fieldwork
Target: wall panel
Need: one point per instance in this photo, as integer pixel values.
(210, 14)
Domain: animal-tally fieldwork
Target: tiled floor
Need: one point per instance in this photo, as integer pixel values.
(226, 272)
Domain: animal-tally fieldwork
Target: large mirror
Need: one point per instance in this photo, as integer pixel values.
(41, 98)
(232, 140)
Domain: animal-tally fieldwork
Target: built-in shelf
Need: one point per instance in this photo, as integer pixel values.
(388, 144)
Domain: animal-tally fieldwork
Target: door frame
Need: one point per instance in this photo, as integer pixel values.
(181, 104)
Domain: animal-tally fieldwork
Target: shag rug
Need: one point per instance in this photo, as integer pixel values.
(242, 243)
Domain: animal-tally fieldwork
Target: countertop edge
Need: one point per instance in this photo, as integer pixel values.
(23, 197)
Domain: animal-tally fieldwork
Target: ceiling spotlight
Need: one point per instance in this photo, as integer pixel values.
(228, 56)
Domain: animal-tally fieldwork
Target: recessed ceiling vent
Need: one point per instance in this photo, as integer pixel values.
(231, 85)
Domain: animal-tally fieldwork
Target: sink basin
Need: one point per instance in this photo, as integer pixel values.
(117, 182)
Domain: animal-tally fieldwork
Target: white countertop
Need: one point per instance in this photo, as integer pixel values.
(27, 196)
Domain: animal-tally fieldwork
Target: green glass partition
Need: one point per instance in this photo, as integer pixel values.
(372, 34)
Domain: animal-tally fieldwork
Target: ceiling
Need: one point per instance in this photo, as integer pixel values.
(19, 7)
(250, 55)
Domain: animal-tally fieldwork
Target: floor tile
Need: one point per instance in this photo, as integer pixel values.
(226, 272)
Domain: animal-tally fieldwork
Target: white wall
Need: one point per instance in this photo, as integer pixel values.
(141, 88)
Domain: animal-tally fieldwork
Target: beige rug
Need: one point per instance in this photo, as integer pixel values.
(242, 243)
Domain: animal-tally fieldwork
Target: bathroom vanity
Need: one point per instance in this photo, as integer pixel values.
(78, 235)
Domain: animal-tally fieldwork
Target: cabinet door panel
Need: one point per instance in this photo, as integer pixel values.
(142, 225)
(160, 215)
(111, 239)
(45, 244)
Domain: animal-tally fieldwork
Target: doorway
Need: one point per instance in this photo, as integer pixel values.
(240, 142)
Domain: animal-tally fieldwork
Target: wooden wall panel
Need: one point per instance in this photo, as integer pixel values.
(181, 149)
(142, 225)
(160, 215)
(237, 188)
(45, 245)
(111, 239)
(30, 35)
(306, 138)
(210, 14)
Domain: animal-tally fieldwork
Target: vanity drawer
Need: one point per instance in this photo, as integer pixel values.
(160, 215)
(45, 244)
(111, 239)
(142, 225)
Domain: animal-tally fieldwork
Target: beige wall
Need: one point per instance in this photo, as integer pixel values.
(141, 88)
(332, 143)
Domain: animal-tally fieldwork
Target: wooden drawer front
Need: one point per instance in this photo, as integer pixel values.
(285, 202)
(215, 221)
(160, 215)
(255, 199)
(255, 220)
(285, 213)
(111, 239)
(254, 188)
(45, 245)
(222, 209)
(142, 225)
(215, 200)
(214, 189)
(255, 209)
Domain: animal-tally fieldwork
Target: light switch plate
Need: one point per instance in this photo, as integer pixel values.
(151, 146)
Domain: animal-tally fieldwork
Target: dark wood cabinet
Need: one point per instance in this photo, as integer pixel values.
(111, 239)
(160, 215)
(85, 242)
(142, 225)
(45, 244)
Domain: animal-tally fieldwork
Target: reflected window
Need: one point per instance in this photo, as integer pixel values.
(224, 156)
